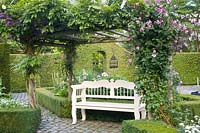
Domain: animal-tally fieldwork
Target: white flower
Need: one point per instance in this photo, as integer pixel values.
(104, 74)
(181, 124)
(137, 48)
(3, 7)
(154, 54)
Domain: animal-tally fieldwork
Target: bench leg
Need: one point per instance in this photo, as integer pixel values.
(83, 114)
(143, 113)
(137, 115)
(74, 118)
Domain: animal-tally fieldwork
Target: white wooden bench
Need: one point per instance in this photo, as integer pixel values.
(103, 89)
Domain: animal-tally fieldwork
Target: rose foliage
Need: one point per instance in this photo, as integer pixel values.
(157, 33)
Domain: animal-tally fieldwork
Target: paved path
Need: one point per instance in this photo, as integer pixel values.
(53, 124)
(188, 89)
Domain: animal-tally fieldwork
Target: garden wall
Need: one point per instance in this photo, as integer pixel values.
(22, 120)
(4, 65)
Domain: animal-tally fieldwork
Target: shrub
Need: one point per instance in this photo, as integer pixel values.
(146, 126)
(191, 102)
(20, 120)
(188, 66)
(58, 105)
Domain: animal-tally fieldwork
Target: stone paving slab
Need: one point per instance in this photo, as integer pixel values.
(51, 123)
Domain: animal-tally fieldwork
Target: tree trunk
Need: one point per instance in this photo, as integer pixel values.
(69, 52)
(31, 92)
(170, 81)
(30, 81)
(197, 42)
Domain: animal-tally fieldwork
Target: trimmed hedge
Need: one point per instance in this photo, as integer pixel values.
(84, 59)
(146, 126)
(192, 102)
(58, 105)
(4, 65)
(188, 67)
(186, 64)
(23, 120)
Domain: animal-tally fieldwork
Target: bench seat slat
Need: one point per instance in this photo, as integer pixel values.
(107, 104)
(114, 97)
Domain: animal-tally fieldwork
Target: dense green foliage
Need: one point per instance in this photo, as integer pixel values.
(50, 65)
(20, 120)
(146, 126)
(155, 38)
(4, 65)
(58, 105)
(46, 16)
(188, 66)
(190, 102)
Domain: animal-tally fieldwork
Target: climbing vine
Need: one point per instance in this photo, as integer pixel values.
(156, 35)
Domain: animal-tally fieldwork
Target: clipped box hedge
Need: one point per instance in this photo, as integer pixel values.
(58, 105)
(146, 126)
(191, 102)
(23, 120)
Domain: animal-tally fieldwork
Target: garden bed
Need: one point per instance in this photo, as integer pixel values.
(19, 120)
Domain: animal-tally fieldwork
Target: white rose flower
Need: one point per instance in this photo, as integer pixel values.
(3, 7)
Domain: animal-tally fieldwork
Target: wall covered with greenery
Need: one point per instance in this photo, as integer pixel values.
(4, 65)
(186, 64)
(84, 59)
(52, 63)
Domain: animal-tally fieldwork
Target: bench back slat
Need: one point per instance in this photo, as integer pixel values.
(119, 89)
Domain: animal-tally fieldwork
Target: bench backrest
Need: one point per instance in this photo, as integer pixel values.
(119, 89)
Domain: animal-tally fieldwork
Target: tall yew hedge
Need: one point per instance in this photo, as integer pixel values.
(4, 65)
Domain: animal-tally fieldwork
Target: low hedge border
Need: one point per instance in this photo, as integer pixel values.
(62, 107)
(192, 102)
(21, 120)
(58, 105)
(146, 126)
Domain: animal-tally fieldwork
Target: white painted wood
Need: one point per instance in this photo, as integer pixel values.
(119, 89)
